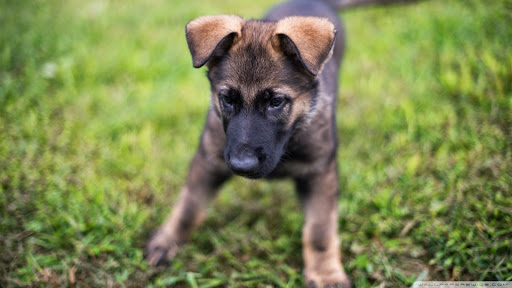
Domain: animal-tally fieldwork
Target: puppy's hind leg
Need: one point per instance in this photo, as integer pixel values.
(319, 197)
(201, 187)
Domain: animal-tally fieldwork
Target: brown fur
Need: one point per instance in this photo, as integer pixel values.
(313, 37)
(205, 33)
(253, 62)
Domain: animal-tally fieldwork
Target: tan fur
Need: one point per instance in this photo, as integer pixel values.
(314, 38)
(205, 33)
(319, 234)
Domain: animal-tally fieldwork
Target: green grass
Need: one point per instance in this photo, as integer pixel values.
(101, 111)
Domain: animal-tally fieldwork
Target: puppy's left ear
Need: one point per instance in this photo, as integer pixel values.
(311, 39)
(207, 34)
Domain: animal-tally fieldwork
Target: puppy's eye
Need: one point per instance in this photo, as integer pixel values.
(276, 102)
(226, 99)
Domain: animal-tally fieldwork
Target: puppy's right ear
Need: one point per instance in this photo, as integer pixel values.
(208, 33)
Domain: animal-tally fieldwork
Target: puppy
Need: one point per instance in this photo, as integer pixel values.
(274, 84)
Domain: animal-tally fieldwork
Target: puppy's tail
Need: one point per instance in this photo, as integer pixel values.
(342, 4)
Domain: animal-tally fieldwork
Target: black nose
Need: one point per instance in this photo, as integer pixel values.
(244, 163)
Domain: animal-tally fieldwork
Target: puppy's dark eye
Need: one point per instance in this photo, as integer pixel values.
(276, 102)
(228, 99)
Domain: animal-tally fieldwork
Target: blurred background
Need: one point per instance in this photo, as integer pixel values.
(101, 112)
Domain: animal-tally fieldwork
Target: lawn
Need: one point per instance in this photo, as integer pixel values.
(101, 112)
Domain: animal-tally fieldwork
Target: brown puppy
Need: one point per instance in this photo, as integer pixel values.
(274, 87)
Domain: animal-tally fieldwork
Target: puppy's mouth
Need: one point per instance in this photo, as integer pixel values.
(249, 176)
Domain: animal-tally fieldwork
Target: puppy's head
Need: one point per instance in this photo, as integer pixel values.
(263, 79)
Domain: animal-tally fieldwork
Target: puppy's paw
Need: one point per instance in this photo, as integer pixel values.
(159, 250)
(340, 285)
(346, 284)
(337, 279)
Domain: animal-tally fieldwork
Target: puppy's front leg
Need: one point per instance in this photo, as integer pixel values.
(319, 197)
(201, 186)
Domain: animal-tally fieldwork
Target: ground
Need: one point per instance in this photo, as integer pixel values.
(101, 112)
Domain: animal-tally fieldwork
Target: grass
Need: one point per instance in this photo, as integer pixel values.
(101, 111)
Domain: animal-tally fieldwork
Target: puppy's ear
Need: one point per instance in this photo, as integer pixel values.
(208, 33)
(311, 39)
